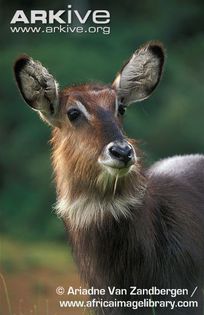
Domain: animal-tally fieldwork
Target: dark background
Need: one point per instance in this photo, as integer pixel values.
(34, 258)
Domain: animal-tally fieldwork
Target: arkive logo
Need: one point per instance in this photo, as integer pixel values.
(63, 21)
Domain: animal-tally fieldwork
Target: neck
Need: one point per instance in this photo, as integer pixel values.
(102, 226)
(104, 249)
(117, 197)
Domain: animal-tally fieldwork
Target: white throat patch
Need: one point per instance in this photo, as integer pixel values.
(83, 211)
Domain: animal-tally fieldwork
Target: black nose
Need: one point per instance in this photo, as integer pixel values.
(121, 152)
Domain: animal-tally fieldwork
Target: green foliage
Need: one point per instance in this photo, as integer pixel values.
(170, 122)
(18, 256)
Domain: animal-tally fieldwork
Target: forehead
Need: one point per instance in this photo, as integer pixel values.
(91, 96)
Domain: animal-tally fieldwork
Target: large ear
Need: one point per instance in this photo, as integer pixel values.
(38, 88)
(141, 74)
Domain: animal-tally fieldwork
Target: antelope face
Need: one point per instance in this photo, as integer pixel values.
(92, 121)
(88, 135)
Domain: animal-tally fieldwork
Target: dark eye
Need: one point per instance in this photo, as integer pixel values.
(73, 114)
(121, 109)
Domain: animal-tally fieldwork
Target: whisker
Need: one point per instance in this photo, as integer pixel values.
(115, 185)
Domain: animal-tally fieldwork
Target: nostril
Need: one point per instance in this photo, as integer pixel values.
(115, 151)
(121, 153)
(130, 153)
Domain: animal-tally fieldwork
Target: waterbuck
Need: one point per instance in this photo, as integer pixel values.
(127, 225)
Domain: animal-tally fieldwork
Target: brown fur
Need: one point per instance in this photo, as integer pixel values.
(75, 153)
(156, 245)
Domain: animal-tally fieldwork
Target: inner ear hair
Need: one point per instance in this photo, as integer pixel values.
(36, 84)
(141, 73)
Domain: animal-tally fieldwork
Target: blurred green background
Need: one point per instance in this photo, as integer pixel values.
(170, 122)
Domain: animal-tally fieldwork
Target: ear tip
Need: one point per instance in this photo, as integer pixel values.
(157, 48)
(21, 62)
(156, 42)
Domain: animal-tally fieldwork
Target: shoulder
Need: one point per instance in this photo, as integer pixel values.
(178, 165)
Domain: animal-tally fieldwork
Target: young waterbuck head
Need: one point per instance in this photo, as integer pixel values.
(91, 153)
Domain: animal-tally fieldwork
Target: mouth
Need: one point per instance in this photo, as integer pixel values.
(116, 168)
